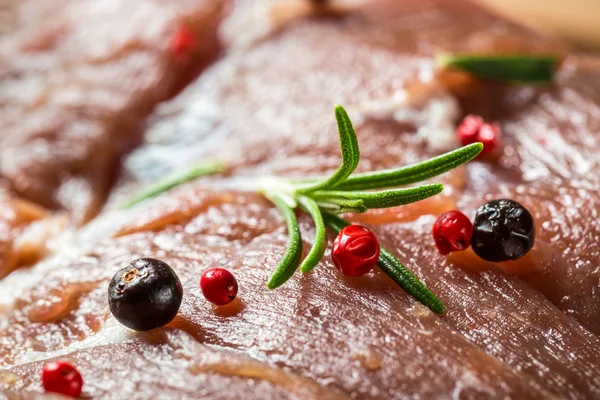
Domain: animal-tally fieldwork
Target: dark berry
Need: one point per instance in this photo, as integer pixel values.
(503, 230)
(452, 232)
(218, 286)
(473, 129)
(355, 250)
(145, 295)
(63, 378)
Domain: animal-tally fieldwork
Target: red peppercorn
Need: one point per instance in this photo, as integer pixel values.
(218, 286)
(489, 135)
(61, 377)
(474, 129)
(355, 250)
(182, 42)
(469, 128)
(452, 231)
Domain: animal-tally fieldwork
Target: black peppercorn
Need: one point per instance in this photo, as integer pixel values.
(145, 295)
(503, 230)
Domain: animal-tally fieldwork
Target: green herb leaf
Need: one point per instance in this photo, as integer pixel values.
(412, 173)
(345, 202)
(320, 244)
(407, 281)
(336, 206)
(175, 179)
(384, 198)
(517, 68)
(293, 254)
(350, 154)
(395, 270)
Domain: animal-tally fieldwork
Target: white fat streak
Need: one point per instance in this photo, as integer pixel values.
(253, 23)
(469, 380)
(10, 287)
(15, 284)
(22, 279)
(439, 125)
(434, 110)
(111, 333)
(254, 26)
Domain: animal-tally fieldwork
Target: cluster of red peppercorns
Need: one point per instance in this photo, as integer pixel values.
(503, 230)
(474, 129)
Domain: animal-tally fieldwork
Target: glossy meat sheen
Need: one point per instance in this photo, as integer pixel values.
(77, 79)
(550, 133)
(25, 232)
(273, 115)
(189, 369)
(248, 91)
(549, 165)
(309, 326)
(503, 315)
(268, 109)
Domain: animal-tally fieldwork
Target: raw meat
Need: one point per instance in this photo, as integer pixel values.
(78, 78)
(267, 108)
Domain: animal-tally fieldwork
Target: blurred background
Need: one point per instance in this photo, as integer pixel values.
(575, 20)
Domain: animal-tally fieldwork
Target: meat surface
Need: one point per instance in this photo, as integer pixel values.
(26, 232)
(518, 330)
(194, 371)
(548, 162)
(78, 78)
(309, 326)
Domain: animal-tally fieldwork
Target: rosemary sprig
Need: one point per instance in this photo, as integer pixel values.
(344, 192)
(395, 270)
(516, 68)
(175, 179)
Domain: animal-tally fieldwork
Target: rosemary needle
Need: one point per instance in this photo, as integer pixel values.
(291, 259)
(519, 68)
(320, 244)
(350, 154)
(412, 173)
(170, 181)
(384, 198)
